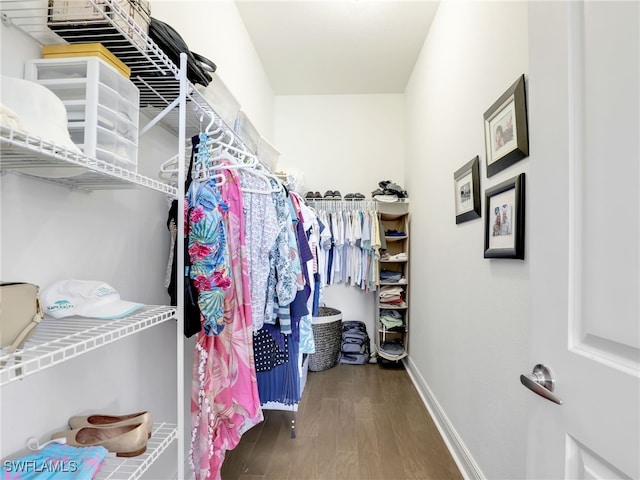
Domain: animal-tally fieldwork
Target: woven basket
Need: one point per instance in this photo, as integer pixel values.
(327, 335)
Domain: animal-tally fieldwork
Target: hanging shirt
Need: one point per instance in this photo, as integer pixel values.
(261, 232)
(208, 251)
(281, 284)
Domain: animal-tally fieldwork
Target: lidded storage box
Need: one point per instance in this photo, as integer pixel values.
(86, 50)
(102, 106)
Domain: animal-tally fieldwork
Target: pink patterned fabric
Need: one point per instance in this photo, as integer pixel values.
(224, 397)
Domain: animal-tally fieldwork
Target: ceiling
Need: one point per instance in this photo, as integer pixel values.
(315, 47)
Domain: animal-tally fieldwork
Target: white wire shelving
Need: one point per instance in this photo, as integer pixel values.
(166, 97)
(155, 75)
(59, 340)
(115, 468)
(25, 154)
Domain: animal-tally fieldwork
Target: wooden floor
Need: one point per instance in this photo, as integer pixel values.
(354, 422)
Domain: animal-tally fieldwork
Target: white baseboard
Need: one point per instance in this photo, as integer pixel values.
(461, 455)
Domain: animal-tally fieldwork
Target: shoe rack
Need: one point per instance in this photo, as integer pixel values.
(392, 336)
(170, 101)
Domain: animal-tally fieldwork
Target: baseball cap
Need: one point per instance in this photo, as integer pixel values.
(85, 298)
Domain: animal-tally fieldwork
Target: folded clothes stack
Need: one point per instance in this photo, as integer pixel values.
(392, 320)
(389, 192)
(389, 276)
(398, 257)
(391, 296)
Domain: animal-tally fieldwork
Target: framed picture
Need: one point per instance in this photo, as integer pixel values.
(466, 182)
(504, 220)
(505, 129)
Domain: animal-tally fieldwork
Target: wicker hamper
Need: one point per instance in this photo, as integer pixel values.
(327, 335)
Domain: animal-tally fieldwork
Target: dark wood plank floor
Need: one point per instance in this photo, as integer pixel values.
(354, 422)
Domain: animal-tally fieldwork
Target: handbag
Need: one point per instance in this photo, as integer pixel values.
(20, 313)
(172, 44)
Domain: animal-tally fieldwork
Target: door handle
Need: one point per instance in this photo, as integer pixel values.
(541, 381)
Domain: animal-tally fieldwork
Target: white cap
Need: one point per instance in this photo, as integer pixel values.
(85, 298)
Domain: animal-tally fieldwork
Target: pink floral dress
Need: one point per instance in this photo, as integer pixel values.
(224, 397)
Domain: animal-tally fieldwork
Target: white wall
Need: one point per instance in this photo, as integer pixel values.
(470, 315)
(347, 143)
(214, 29)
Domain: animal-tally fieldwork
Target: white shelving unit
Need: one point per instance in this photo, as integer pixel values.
(170, 100)
(59, 340)
(21, 152)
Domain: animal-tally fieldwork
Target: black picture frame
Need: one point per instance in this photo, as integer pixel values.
(506, 130)
(466, 184)
(505, 219)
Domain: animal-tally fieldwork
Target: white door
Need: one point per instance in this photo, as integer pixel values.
(583, 227)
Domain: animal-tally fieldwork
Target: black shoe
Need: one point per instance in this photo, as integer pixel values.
(336, 195)
(328, 195)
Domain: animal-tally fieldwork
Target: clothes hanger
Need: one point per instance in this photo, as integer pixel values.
(225, 150)
(202, 165)
(219, 145)
(239, 160)
(169, 168)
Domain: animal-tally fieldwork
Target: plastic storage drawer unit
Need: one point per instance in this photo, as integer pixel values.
(102, 106)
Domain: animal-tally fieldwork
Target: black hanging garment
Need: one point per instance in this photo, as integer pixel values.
(192, 323)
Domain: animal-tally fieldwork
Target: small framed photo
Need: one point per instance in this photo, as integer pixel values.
(504, 220)
(505, 129)
(466, 182)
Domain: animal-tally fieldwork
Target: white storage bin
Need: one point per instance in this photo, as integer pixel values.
(247, 132)
(221, 99)
(102, 106)
(267, 154)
